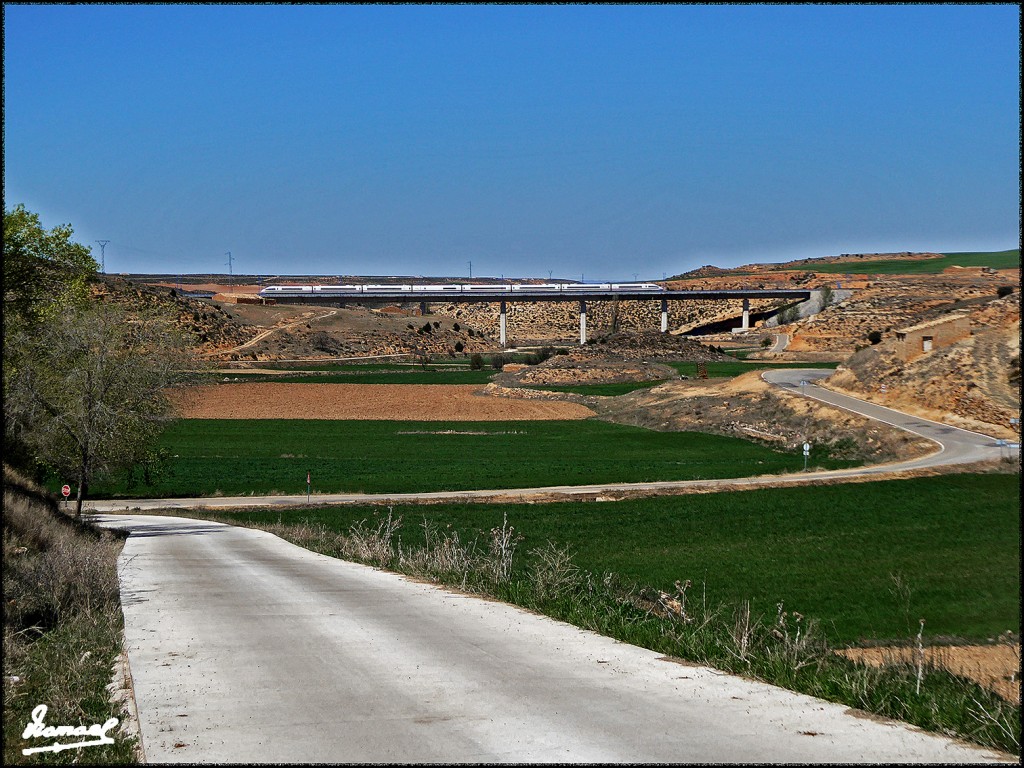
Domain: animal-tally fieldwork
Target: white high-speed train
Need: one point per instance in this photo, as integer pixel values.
(348, 290)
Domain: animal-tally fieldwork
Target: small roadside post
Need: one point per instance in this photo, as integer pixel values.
(309, 478)
(807, 452)
(66, 491)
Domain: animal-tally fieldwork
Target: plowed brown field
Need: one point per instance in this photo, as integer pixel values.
(378, 402)
(993, 666)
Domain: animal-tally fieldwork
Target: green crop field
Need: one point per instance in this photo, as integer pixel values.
(237, 457)
(728, 368)
(603, 390)
(715, 370)
(994, 259)
(832, 553)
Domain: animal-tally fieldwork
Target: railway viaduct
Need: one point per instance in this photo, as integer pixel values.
(523, 293)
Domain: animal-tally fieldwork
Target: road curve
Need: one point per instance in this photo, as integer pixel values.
(244, 648)
(781, 342)
(953, 446)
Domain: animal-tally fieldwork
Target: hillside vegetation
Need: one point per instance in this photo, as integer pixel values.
(62, 624)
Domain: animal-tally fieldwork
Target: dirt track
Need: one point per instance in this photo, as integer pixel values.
(411, 402)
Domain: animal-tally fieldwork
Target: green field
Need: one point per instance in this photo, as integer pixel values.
(994, 259)
(715, 370)
(829, 552)
(237, 457)
(728, 368)
(407, 374)
(604, 390)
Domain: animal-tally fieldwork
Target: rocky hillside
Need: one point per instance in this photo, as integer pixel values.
(886, 305)
(974, 383)
(207, 323)
(540, 321)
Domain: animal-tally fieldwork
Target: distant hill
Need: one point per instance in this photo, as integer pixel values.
(905, 263)
(896, 266)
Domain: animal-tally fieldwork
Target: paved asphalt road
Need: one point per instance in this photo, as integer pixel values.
(781, 342)
(244, 648)
(954, 446)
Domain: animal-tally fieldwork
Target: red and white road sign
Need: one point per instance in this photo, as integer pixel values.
(66, 490)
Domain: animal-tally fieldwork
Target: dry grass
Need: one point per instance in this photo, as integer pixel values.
(62, 622)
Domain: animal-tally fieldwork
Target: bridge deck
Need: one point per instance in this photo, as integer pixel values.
(526, 295)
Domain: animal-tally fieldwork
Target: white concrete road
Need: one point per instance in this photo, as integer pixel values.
(953, 446)
(245, 649)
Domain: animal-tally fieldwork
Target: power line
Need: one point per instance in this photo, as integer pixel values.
(103, 255)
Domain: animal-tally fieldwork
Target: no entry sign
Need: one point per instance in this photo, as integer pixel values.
(66, 490)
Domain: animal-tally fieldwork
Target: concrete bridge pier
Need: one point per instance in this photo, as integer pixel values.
(501, 322)
(746, 315)
(664, 315)
(583, 322)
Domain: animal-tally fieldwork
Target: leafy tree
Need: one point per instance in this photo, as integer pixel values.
(91, 392)
(43, 270)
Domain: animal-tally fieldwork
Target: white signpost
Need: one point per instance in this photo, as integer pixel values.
(807, 452)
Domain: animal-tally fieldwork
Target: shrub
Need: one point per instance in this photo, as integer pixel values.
(459, 346)
(456, 327)
(788, 315)
(498, 361)
(323, 342)
(427, 328)
(538, 357)
(875, 337)
(1004, 290)
(476, 362)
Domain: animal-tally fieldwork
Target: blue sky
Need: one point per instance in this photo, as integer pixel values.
(575, 140)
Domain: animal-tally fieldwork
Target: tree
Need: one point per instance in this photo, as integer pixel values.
(91, 392)
(43, 270)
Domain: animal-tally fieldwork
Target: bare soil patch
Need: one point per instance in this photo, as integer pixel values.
(388, 402)
(996, 667)
(747, 407)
